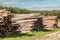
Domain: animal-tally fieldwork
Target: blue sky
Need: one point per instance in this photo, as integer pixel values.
(33, 4)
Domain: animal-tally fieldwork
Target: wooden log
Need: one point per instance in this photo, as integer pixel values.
(50, 22)
(24, 17)
(6, 27)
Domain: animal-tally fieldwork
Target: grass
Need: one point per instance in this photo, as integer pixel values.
(29, 36)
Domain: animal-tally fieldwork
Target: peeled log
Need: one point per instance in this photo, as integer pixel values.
(50, 22)
(27, 22)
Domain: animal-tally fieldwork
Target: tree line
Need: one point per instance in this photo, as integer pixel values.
(16, 10)
(25, 11)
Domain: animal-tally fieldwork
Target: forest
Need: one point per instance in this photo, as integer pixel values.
(27, 11)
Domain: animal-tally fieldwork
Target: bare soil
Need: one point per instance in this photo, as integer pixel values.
(53, 36)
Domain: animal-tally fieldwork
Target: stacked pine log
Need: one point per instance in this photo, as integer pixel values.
(50, 22)
(23, 23)
(27, 22)
(6, 27)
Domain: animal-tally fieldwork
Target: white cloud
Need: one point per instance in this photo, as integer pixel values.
(44, 7)
(10, 2)
(35, 5)
(47, 5)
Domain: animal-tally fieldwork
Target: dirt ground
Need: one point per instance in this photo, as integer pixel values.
(53, 36)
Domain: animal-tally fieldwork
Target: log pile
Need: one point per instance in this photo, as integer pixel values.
(50, 22)
(6, 27)
(23, 23)
(27, 22)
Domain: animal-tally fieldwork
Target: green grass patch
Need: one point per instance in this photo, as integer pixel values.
(29, 36)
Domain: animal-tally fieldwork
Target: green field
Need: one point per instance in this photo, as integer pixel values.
(29, 36)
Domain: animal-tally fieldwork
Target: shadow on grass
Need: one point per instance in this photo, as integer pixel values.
(44, 30)
(26, 34)
(19, 35)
